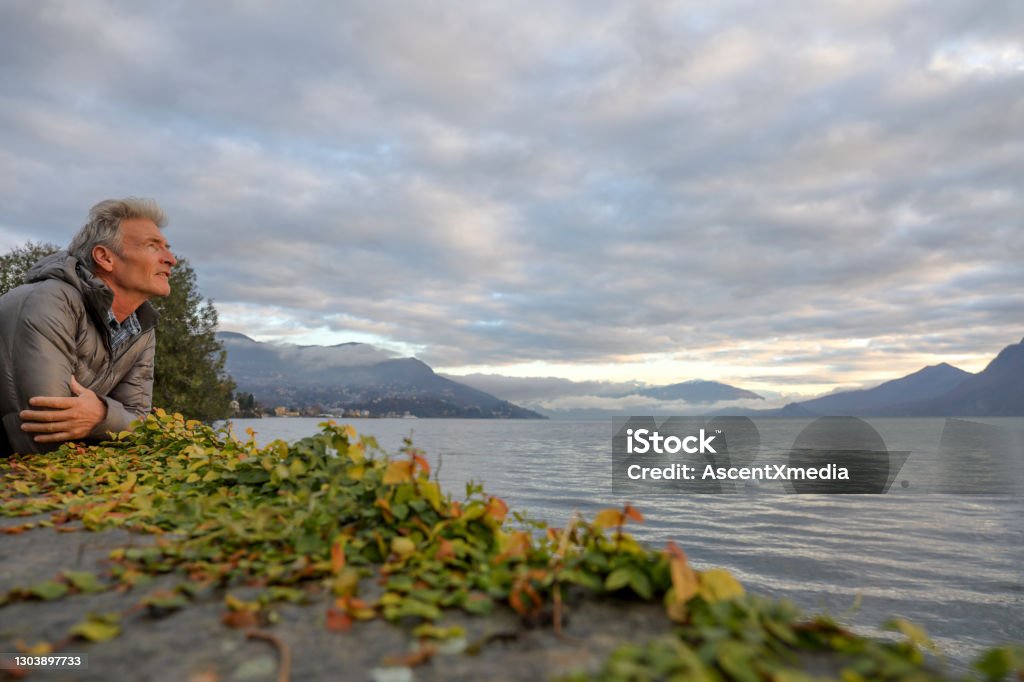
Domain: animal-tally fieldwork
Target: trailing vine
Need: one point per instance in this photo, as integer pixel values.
(332, 514)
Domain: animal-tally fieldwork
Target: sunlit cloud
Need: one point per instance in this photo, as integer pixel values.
(784, 197)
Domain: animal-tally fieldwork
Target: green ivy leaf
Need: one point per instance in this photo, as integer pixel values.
(48, 590)
(84, 581)
(98, 628)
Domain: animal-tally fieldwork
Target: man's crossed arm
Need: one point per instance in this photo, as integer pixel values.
(58, 419)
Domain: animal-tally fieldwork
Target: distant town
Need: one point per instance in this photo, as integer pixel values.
(245, 406)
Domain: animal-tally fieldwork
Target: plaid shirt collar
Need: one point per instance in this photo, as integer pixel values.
(120, 333)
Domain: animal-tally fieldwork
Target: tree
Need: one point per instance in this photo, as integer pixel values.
(190, 374)
(16, 262)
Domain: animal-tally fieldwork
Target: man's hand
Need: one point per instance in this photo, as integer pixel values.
(64, 419)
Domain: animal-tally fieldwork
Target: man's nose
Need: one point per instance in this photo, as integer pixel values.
(170, 259)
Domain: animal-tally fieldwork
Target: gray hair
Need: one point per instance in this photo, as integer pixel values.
(104, 226)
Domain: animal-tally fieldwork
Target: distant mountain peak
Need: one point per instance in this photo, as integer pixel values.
(235, 336)
(699, 391)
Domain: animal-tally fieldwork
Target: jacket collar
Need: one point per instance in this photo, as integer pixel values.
(97, 295)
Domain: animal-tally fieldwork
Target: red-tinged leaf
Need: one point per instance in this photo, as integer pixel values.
(422, 463)
(632, 513)
(456, 510)
(516, 602)
(445, 550)
(523, 589)
(496, 509)
(338, 555)
(357, 603)
(672, 549)
(413, 659)
(684, 579)
(516, 546)
(338, 621)
(685, 584)
(205, 675)
(240, 619)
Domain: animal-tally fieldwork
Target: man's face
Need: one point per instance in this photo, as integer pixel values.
(143, 266)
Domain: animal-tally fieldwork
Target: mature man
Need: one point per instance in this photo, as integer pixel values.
(77, 340)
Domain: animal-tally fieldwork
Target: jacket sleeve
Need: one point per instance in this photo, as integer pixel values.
(43, 360)
(132, 398)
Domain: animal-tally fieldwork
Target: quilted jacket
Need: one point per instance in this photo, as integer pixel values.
(54, 327)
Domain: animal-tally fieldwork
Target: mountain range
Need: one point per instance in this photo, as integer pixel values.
(935, 391)
(354, 376)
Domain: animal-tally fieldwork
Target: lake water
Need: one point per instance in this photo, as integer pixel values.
(952, 563)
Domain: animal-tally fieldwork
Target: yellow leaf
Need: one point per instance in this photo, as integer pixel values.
(349, 431)
(675, 607)
(356, 472)
(914, 633)
(609, 518)
(357, 453)
(96, 629)
(398, 472)
(432, 494)
(390, 599)
(474, 510)
(40, 649)
(403, 547)
(346, 583)
(236, 604)
(717, 584)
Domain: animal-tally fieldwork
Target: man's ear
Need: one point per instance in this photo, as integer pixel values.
(103, 256)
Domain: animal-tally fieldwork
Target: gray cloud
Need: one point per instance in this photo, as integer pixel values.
(569, 182)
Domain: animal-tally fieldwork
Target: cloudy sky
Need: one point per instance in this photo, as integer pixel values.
(785, 196)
